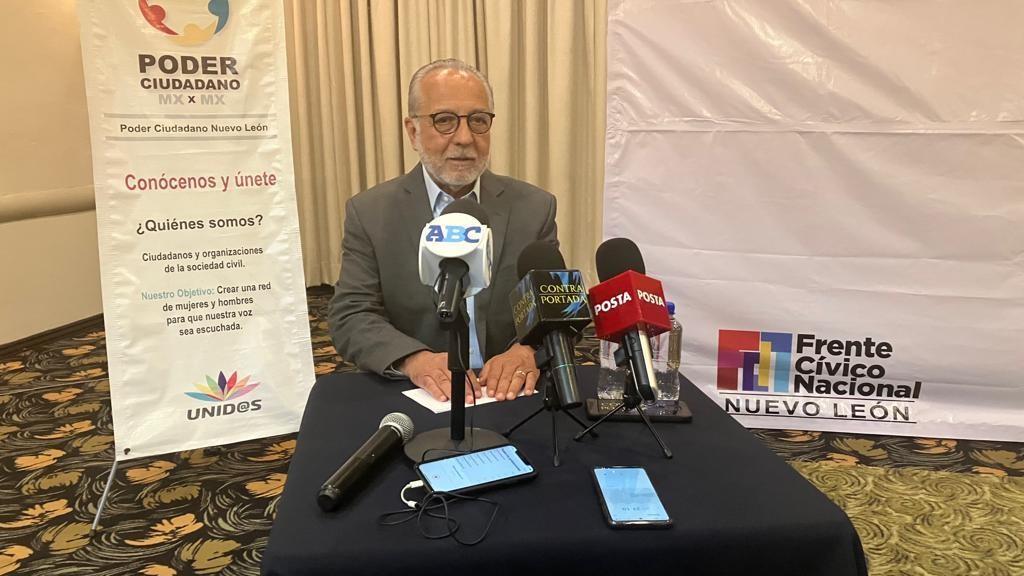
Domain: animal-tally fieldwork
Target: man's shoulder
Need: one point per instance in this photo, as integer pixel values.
(381, 193)
(521, 188)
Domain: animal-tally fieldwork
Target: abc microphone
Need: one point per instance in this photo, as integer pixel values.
(456, 251)
(629, 308)
(549, 308)
(395, 430)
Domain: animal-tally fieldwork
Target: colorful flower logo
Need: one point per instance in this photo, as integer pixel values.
(223, 388)
(191, 33)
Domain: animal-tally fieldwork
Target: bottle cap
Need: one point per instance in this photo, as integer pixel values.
(671, 308)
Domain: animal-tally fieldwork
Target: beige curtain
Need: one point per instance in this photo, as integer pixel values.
(350, 63)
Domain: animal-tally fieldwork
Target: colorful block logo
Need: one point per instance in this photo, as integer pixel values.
(752, 361)
(223, 388)
(210, 21)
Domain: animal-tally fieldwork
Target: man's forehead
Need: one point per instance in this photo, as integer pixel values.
(443, 75)
(448, 85)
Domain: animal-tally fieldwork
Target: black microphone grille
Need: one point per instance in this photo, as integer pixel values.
(539, 255)
(468, 206)
(400, 422)
(616, 255)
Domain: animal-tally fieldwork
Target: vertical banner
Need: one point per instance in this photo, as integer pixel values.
(833, 194)
(203, 291)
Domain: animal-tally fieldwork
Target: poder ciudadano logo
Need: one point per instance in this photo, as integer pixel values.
(806, 376)
(223, 393)
(187, 23)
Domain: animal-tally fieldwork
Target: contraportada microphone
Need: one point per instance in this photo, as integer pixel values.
(550, 311)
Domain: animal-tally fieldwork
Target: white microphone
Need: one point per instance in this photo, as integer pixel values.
(457, 246)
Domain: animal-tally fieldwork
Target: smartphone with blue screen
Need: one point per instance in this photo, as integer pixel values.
(628, 498)
(477, 470)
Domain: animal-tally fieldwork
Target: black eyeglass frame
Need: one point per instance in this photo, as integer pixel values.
(458, 121)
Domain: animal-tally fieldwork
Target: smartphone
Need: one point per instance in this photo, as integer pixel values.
(476, 470)
(628, 498)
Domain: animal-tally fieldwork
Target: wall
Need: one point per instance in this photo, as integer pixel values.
(50, 273)
(47, 227)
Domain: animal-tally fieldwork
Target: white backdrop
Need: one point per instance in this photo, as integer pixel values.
(203, 294)
(842, 170)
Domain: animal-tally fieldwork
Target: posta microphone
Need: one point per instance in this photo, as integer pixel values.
(629, 308)
(394, 431)
(456, 251)
(549, 308)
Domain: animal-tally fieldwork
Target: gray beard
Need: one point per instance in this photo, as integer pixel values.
(457, 180)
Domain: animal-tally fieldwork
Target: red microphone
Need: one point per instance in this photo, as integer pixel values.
(627, 301)
(628, 308)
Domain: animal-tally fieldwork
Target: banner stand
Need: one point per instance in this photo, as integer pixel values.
(204, 294)
(103, 498)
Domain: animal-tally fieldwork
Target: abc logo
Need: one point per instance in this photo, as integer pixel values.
(455, 235)
(436, 233)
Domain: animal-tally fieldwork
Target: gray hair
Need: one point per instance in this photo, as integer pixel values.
(444, 64)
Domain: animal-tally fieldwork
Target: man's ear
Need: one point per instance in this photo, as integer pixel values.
(410, 130)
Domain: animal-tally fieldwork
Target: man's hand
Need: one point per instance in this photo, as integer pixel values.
(507, 373)
(429, 370)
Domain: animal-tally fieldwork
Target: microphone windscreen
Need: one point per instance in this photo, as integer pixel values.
(399, 422)
(539, 255)
(616, 255)
(468, 206)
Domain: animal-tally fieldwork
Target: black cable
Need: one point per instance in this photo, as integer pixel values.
(425, 508)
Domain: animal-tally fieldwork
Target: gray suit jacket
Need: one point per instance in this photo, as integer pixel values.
(381, 312)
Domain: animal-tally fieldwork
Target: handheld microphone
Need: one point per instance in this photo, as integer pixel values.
(629, 308)
(549, 307)
(456, 250)
(395, 430)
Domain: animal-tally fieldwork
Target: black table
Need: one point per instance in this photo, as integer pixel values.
(737, 507)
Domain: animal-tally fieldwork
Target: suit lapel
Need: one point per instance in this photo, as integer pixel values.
(416, 208)
(493, 201)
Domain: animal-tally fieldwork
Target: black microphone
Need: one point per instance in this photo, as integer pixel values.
(452, 284)
(395, 430)
(550, 311)
(468, 206)
(616, 256)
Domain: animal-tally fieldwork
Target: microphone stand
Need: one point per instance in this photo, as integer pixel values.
(552, 404)
(451, 313)
(457, 326)
(631, 400)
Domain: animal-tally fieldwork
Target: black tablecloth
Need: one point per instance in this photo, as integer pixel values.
(737, 507)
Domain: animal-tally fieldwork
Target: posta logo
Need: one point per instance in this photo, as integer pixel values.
(223, 389)
(191, 33)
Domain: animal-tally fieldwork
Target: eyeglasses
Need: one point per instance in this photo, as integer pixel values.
(448, 122)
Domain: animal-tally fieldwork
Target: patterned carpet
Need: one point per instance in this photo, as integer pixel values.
(921, 506)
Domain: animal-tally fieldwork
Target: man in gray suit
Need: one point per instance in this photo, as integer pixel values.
(381, 316)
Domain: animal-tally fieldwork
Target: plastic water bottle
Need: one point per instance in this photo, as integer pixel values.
(667, 351)
(610, 378)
